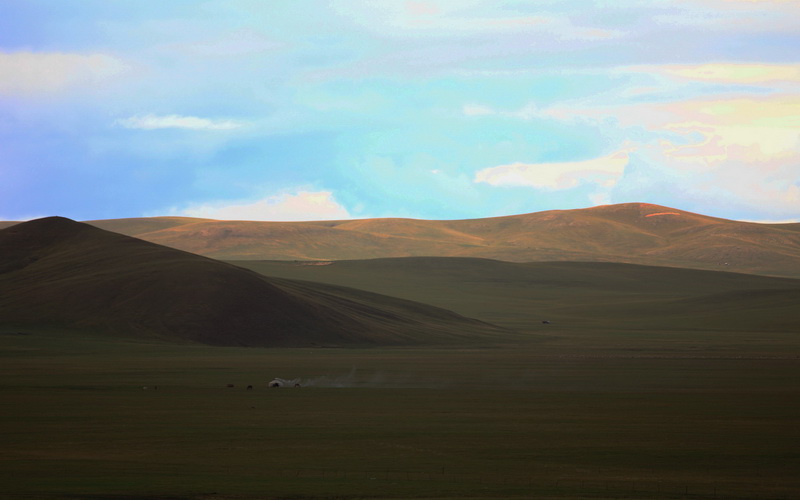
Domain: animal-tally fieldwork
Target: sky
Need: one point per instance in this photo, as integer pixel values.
(429, 109)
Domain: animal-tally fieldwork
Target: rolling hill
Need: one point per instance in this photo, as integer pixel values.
(634, 233)
(570, 295)
(60, 273)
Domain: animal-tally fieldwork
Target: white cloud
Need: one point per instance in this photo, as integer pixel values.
(462, 18)
(796, 220)
(749, 128)
(739, 148)
(769, 187)
(735, 150)
(152, 122)
(34, 73)
(302, 206)
(604, 172)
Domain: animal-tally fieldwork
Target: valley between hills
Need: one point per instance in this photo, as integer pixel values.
(470, 282)
(628, 351)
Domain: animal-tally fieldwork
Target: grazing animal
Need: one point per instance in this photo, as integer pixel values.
(249, 387)
(230, 385)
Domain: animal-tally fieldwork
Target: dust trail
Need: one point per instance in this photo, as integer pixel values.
(356, 378)
(348, 380)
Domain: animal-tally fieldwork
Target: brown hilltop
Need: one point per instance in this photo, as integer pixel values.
(58, 272)
(636, 233)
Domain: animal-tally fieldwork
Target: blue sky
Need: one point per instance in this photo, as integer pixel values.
(310, 110)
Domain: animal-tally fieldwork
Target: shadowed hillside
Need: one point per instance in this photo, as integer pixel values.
(57, 272)
(633, 233)
(585, 295)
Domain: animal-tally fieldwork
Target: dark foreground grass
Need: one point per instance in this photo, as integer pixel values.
(538, 421)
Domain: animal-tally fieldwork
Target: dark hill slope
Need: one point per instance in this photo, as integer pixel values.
(636, 233)
(584, 295)
(58, 272)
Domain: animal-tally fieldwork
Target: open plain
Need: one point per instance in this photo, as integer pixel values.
(700, 415)
(468, 377)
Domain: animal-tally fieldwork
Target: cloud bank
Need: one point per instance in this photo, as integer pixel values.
(604, 171)
(438, 109)
(302, 206)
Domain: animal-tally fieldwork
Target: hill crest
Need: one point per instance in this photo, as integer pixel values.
(59, 272)
(636, 233)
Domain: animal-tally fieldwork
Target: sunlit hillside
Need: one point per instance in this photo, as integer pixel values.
(631, 233)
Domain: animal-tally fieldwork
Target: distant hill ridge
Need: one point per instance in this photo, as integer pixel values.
(637, 233)
(61, 273)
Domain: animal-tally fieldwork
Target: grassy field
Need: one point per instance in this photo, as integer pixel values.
(645, 382)
(626, 415)
(576, 297)
(58, 272)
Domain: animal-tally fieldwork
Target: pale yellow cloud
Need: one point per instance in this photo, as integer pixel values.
(743, 147)
(604, 171)
(760, 127)
(746, 128)
(735, 73)
(301, 206)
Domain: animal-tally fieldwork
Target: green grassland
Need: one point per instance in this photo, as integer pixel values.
(548, 418)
